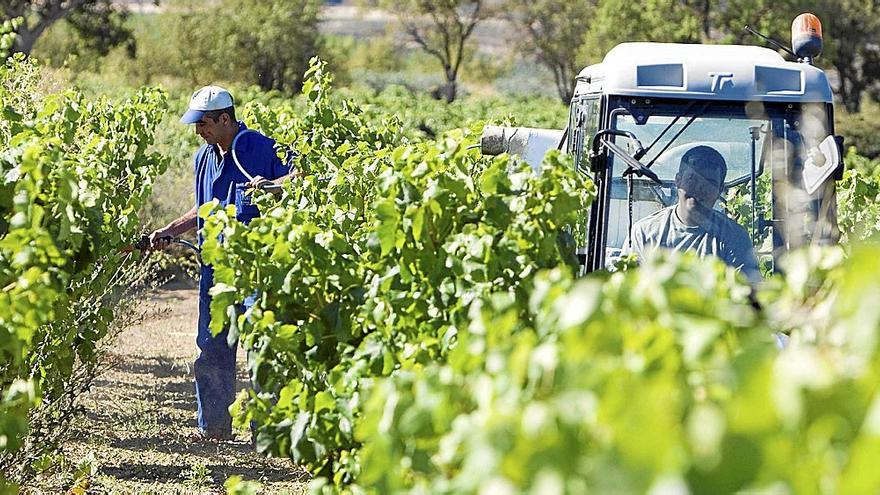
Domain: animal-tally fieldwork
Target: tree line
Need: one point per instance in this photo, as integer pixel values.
(270, 41)
(567, 35)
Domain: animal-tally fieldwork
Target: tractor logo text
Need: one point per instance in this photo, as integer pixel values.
(720, 80)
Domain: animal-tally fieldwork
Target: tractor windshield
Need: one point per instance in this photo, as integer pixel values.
(732, 137)
(762, 146)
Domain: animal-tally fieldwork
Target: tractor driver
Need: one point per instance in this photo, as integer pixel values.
(692, 224)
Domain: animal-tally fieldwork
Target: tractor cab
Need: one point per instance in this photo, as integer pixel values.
(637, 113)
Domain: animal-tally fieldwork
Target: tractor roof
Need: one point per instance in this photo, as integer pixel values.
(711, 72)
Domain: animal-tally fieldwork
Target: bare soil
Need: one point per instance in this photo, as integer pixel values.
(137, 433)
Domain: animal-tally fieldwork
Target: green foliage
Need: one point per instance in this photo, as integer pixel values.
(424, 117)
(738, 205)
(236, 486)
(264, 42)
(659, 378)
(99, 23)
(346, 55)
(849, 26)
(101, 26)
(770, 17)
(586, 393)
(62, 48)
(7, 35)
(198, 477)
(861, 130)
(859, 198)
(72, 176)
(616, 21)
(370, 263)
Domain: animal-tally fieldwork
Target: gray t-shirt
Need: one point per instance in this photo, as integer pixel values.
(721, 237)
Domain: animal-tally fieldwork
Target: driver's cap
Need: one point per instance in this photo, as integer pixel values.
(204, 100)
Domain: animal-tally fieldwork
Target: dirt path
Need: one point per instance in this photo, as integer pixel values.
(141, 414)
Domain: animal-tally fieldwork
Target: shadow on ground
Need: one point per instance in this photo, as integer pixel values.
(138, 427)
(156, 472)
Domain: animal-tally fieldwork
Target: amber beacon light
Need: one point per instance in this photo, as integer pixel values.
(806, 37)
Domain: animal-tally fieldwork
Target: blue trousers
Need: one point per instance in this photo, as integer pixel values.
(214, 368)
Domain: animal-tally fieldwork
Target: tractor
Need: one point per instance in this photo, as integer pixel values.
(635, 114)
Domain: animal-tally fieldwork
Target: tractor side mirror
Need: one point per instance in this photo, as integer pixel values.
(822, 162)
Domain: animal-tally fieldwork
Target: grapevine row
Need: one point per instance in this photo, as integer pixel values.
(73, 174)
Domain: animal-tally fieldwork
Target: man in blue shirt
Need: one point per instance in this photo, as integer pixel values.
(232, 159)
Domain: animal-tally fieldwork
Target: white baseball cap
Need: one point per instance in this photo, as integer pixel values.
(204, 100)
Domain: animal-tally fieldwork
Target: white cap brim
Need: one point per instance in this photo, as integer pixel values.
(192, 116)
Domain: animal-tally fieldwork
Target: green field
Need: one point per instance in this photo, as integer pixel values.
(421, 324)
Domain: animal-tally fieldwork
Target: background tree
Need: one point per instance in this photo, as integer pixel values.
(852, 46)
(265, 42)
(770, 17)
(441, 28)
(616, 21)
(703, 10)
(851, 29)
(101, 23)
(555, 36)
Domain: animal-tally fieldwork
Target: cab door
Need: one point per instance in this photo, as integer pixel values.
(585, 117)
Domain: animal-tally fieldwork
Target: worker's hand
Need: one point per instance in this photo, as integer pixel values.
(159, 240)
(260, 182)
